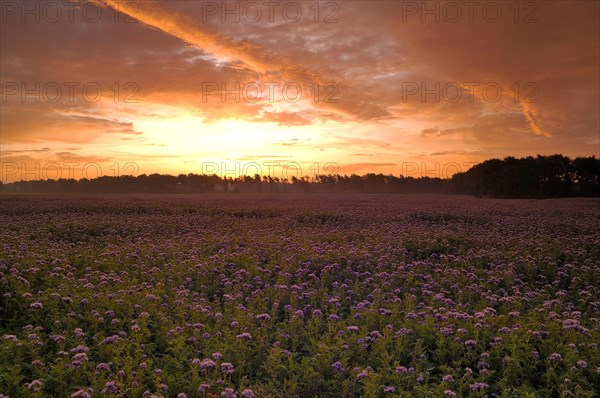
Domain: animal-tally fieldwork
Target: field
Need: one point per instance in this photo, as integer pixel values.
(299, 296)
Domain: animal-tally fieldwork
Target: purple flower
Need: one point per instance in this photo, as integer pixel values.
(555, 357)
(81, 394)
(206, 364)
(227, 368)
(362, 375)
(110, 388)
(228, 393)
(338, 366)
(571, 324)
(479, 386)
(470, 343)
(103, 366)
(403, 332)
(389, 389)
(111, 339)
(204, 387)
(78, 360)
(248, 393)
(35, 385)
(447, 379)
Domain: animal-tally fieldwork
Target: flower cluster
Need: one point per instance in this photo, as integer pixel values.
(299, 296)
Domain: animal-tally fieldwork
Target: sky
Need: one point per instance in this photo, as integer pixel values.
(285, 88)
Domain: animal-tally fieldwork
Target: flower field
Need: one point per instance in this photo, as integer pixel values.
(299, 296)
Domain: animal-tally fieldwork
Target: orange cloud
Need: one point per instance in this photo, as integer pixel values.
(532, 117)
(256, 58)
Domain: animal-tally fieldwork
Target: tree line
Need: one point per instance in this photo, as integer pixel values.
(529, 177)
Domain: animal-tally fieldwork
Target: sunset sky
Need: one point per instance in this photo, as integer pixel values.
(159, 66)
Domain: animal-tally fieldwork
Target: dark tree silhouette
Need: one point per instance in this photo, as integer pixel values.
(530, 177)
